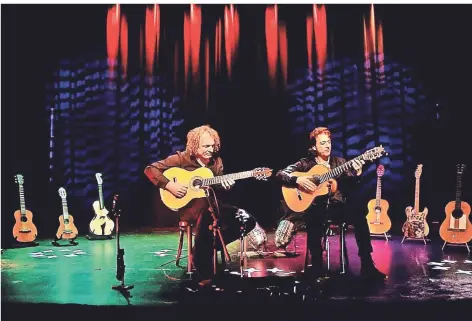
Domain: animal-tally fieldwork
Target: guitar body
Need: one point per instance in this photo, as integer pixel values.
(101, 224)
(67, 229)
(456, 228)
(191, 179)
(415, 225)
(377, 217)
(24, 230)
(299, 200)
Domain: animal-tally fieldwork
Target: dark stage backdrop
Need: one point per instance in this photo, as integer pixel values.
(64, 120)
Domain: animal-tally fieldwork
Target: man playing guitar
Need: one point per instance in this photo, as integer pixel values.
(315, 215)
(202, 145)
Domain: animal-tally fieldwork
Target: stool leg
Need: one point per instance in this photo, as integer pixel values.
(327, 252)
(189, 249)
(179, 249)
(342, 236)
(306, 253)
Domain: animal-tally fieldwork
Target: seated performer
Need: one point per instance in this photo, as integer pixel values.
(315, 215)
(202, 145)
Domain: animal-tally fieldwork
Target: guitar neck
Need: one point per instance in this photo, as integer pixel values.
(338, 170)
(458, 190)
(378, 195)
(65, 210)
(417, 195)
(100, 196)
(219, 179)
(22, 199)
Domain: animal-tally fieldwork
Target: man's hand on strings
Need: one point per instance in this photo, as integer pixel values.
(227, 183)
(357, 165)
(306, 184)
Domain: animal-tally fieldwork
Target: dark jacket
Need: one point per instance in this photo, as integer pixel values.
(346, 181)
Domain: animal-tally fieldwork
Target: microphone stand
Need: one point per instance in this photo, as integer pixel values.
(120, 263)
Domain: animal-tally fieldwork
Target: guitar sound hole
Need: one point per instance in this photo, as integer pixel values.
(378, 209)
(457, 214)
(66, 221)
(197, 183)
(316, 180)
(23, 219)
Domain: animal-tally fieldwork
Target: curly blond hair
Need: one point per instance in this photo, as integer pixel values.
(193, 139)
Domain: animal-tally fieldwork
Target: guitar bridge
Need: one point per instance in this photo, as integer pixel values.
(25, 231)
(67, 232)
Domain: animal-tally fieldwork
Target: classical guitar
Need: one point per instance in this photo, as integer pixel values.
(456, 228)
(299, 200)
(377, 217)
(67, 229)
(197, 180)
(24, 230)
(101, 224)
(415, 225)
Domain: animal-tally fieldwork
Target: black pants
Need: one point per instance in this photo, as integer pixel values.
(230, 225)
(315, 218)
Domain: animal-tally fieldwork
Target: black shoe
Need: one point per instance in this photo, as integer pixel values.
(370, 272)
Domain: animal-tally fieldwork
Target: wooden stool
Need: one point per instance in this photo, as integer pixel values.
(185, 227)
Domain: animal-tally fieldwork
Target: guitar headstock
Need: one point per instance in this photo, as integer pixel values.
(460, 168)
(419, 171)
(19, 179)
(262, 173)
(98, 176)
(62, 192)
(380, 171)
(374, 153)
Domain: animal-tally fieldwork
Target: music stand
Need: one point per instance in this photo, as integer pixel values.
(120, 263)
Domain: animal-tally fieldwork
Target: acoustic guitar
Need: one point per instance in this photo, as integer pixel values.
(456, 228)
(101, 224)
(198, 179)
(67, 229)
(377, 218)
(415, 225)
(24, 230)
(298, 200)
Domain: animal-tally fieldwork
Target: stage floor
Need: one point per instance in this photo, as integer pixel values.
(84, 274)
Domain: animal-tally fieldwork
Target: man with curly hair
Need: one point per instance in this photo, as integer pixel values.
(203, 144)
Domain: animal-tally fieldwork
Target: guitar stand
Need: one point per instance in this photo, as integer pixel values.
(453, 244)
(413, 238)
(387, 236)
(93, 237)
(19, 245)
(215, 227)
(72, 242)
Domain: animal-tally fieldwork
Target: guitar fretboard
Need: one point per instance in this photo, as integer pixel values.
(417, 195)
(378, 196)
(338, 170)
(458, 191)
(22, 199)
(100, 196)
(219, 179)
(65, 210)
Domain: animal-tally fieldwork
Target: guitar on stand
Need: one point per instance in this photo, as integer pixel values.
(67, 229)
(299, 200)
(456, 228)
(377, 218)
(415, 226)
(101, 227)
(120, 262)
(24, 230)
